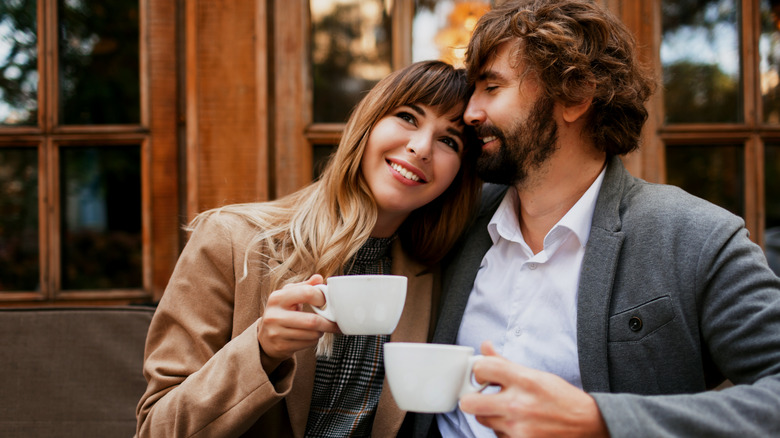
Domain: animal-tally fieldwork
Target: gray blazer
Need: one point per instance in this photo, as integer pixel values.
(708, 303)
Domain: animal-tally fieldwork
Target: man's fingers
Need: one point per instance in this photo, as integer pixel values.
(487, 349)
(497, 370)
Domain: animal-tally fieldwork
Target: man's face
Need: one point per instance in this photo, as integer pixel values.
(513, 120)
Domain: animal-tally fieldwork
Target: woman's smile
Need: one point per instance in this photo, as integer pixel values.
(406, 175)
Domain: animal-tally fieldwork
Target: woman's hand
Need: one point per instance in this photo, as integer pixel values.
(285, 328)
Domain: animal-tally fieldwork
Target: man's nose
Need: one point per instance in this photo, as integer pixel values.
(474, 114)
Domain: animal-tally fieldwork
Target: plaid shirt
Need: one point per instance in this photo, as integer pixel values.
(347, 384)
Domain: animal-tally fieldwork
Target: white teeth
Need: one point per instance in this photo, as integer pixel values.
(488, 139)
(406, 174)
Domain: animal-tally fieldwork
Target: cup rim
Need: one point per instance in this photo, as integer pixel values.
(427, 345)
(366, 276)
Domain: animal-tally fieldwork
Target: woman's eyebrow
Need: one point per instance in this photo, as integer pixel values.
(455, 132)
(416, 109)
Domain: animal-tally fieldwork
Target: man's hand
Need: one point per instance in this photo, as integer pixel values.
(531, 402)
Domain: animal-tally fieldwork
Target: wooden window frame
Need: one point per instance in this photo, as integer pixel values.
(751, 134)
(155, 135)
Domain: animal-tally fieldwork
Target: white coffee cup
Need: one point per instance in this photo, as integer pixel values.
(364, 304)
(429, 378)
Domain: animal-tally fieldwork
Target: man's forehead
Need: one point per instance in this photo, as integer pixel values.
(500, 66)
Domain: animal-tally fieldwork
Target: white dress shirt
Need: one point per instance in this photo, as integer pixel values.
(526, 303)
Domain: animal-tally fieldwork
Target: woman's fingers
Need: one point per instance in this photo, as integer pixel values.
(285, 327)
(291, 295)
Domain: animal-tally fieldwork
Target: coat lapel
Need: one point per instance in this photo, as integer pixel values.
(458, 276)
(597, 277)
(299, 399)
(413, 327)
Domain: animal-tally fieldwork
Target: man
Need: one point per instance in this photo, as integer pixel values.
(610, 306)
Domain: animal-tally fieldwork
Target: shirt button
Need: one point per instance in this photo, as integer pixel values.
(532, 266)
(635, 324)
(518, 332)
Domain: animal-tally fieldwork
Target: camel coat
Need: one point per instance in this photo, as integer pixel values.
(202, 358)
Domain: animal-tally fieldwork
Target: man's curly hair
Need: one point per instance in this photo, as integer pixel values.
(577, 50)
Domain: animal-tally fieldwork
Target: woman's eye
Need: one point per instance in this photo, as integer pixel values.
(407, 117)
(451, 142)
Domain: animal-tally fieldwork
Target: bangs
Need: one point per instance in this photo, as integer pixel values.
(433, 84)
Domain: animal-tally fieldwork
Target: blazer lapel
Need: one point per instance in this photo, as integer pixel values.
(458, 276)
(595, 290)
(412, 327)
(299, 399)
(597, 277)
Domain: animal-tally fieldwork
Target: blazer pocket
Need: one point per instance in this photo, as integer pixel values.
(636, 323)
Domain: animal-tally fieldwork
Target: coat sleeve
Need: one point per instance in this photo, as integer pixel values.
(737, 305)
(200, 381)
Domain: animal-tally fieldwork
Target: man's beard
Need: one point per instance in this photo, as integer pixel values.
(525, 147)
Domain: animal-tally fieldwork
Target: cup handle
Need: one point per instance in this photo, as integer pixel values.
(324, 311)
(469, 384)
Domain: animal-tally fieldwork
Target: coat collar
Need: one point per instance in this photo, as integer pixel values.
(597, 277)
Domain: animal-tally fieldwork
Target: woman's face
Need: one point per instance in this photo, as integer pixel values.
(412, 156)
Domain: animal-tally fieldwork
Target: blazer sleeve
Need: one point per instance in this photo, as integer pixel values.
(737, 309)
(202, 382)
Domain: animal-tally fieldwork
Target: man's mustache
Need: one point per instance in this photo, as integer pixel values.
(483, 131)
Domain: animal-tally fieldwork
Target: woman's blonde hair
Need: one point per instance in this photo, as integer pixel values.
(318, 228)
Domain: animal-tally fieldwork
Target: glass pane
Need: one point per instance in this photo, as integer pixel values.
(769, 51)
(19, 261)
(99, 62)
(441, 29)
(351, 51)
(715, 173)
(700, 55)
(100, 203)
(772, 196)
(322, 153)
(18, 62)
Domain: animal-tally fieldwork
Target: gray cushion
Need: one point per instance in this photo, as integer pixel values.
(71, 372)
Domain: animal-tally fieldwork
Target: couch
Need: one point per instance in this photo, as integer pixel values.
(71, 372)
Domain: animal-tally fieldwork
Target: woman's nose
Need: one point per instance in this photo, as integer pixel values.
(420, 146)
(474, 114)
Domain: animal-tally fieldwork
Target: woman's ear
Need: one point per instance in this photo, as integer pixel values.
(572, 113)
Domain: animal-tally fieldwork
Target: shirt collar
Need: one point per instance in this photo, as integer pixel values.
(578, 219)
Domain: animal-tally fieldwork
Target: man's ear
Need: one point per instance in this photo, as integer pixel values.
(573, 112)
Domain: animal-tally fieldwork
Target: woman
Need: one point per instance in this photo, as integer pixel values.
(231, 348)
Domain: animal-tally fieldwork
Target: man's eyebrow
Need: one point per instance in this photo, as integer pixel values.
(490, 75)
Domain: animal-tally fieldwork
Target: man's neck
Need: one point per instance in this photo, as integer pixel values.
(552, 191)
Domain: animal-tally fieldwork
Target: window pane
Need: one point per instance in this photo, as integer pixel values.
(441, 29)
(19, 261)
(772, 196)
(99, 62)
(100, 202)
(715, 173)
(18, 63)
(769, 50)
(351, 51)
(322, 153)
(700, 55)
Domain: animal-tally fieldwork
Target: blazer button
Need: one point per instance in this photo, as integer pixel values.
(635, 324)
